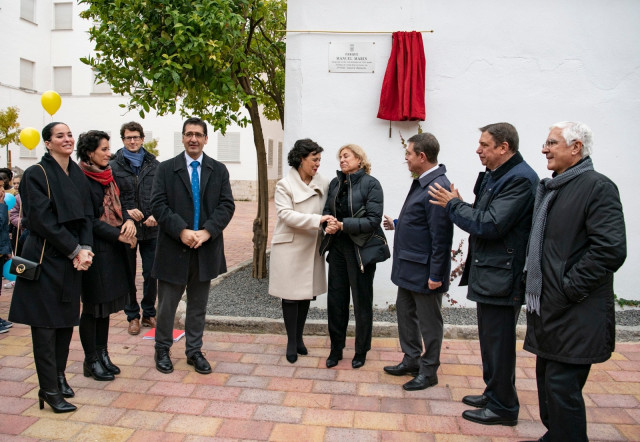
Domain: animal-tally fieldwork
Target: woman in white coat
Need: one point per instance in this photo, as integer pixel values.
(297, 272)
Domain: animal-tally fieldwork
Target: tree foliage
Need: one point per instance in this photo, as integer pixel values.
(197, 57)
(9, 127)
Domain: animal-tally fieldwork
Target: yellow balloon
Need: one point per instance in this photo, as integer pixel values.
(29, 137)
(51, 102)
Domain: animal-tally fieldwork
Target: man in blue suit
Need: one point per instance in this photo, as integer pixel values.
(421, 266)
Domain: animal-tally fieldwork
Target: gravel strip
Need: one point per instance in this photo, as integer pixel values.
(238, 294)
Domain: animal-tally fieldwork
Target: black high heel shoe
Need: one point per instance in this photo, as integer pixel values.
(55, 401)
(96, 370)
(334, 357)
(302, 350)
(63, 386)
(358, 360)
(103, 357)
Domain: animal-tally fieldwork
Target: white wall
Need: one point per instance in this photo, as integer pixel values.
(83, 110)
(528, 63)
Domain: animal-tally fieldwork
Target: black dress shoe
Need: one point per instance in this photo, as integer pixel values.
(103, 356)
(199, 363)
(63, 386)
(163, 361)
(302, 350)
(476, 400)
(358, 360)
(96, 370)
(55, 401)
(485, 416)
(334, 357)
(292, 358)
(401, 369)
(420, 382)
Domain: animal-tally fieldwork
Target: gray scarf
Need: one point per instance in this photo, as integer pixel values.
(546, 193)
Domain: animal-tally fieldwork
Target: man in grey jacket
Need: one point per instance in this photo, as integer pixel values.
(498, 223)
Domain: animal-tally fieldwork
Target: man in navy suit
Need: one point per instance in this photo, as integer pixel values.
(421, 266)
(192, 203)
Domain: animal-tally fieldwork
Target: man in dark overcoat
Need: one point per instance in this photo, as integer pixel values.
(498, 223)
(192, 203)
(134, 170)
(577, 243)
(421, 266)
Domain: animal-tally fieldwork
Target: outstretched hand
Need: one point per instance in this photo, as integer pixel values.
(442, 196)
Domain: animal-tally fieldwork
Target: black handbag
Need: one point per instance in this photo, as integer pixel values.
(24, 268)
(21, 267)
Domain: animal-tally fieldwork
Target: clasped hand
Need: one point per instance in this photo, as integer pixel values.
(128, 234)
(333, 225)
(194, 238)
(83, 260)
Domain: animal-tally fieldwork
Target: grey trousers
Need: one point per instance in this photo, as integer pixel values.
(169, 296)
(420, 320)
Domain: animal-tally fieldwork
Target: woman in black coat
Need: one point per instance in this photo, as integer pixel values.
(105, 287)
(57, 210)
(355, 199)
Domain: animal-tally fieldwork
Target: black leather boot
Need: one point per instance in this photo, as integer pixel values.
(103, 357)
(63, 386)
(96, 370)
(55, 401)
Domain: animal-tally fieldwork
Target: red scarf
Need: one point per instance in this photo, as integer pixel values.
(112, 208)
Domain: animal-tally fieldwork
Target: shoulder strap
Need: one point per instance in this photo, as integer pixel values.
(20, 214)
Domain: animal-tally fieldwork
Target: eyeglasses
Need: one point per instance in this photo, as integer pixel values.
(549, 143)
(198, 135)
(136, 138)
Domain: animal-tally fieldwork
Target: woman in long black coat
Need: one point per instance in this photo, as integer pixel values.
(57, 210)
(105, 287)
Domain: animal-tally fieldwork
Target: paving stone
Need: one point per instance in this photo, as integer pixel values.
(307, 400)
(103, 432)
(240, 429)
(194, 425)
(292, 432)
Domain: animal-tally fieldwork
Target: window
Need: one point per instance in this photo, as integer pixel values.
(62, 79)
(28, 10)
(177, 143)
(100, 88)
(229, 147)
(280, 159)
(26, 153)
(26, 74)
(63, 16)
(270, 153)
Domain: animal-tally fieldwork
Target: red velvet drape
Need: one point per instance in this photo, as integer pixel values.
(403, 88)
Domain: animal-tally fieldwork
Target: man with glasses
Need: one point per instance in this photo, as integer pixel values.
(192, 202)
(498, 224)
(577, 243)
(134, 170)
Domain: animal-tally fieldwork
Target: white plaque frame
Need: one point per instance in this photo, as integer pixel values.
(355, 57)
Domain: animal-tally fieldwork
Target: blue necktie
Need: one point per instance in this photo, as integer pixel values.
(195, 189)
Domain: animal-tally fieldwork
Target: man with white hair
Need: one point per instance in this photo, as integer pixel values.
(577, 242)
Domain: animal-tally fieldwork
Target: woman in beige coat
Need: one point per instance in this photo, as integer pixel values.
(297, 272)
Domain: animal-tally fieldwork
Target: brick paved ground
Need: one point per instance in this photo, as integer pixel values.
(254, 393)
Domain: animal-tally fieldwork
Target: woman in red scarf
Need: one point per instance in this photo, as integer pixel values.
(105, 287)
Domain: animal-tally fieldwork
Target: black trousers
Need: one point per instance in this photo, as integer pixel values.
(50, 353)
(147, 249)
(169, 296)
(497, 335)
(346, 280)
(560, 399)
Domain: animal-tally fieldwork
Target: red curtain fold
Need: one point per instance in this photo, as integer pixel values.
(403, 87)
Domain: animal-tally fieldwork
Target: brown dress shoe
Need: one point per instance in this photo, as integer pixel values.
(134, 327)
(149, 322)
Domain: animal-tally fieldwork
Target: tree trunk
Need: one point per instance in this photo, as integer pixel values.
(261, 222)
